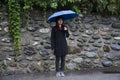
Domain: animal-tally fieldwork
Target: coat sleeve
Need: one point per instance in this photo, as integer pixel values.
(52, 39)
(66, 33)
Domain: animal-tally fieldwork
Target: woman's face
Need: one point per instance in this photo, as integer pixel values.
(60, 21)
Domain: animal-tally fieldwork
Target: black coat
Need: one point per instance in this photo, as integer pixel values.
(58, 41)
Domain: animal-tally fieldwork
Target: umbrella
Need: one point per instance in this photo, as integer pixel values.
(66, 14)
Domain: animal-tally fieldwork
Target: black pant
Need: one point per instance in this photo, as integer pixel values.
(60, 63)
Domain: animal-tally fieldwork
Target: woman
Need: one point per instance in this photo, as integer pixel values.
(59, 45)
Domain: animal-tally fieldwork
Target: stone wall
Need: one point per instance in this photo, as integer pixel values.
(94, 42)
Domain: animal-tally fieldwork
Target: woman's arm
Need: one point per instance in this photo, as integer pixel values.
(52, 39)
(66, 32)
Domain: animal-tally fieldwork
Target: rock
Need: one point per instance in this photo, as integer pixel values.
(117, 63)
(25, 39)
(23, 30)
(104, 22)
(116, 25)
(35, 35)
(52, 24)
(6, 29)
(2, 56)
(44, 53)
(100, 41)
(8, 58)
(46, 65)
(0, 28)
(71, 66)
(19, 58)
(106, 48)
(23, 65)
(91, 41)
(47, 47)
(12, 64)
(35, 43)
(95, 37)
(73, 50)
(119, 43)
(88, 32)
(71, 25)
(115, 47)
(97, 45)
(88, 20)
(107, 63)
(44, 30)
(36, 39)
(81, 15)
(81, 40)
(46, 38)
(73, 29)
(85, 36)
(105, 29)
(72, 38)
(113, 56)
(91, 54)
(46, 25)
(33, 67)
(81, 30)
(114, 34)
(117, 30)
(38, 47)
(4, 24)
(90, 49)
(2, 33)
(30, 58)
(80, 45)
(10, 70)
(38, 18)
(39, 63)
(88, 26)
(113, 19)
(7, 40)
(7, 49)
(96, 61)
(104, 33)
(78, 60)
(77, 20)
(29, 51)
(95, 32)
(75, 34)
(32, 28)
(117, 38)
(87, 60)
(107, 42)
(107, 37)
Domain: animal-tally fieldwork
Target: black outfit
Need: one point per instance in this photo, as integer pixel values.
(59, 45)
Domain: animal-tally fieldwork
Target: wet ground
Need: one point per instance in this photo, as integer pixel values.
(71, 75)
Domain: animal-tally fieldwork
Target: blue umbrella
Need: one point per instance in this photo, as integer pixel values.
(66, 14)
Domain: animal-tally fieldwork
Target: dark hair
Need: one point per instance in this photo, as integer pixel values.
(57, 18)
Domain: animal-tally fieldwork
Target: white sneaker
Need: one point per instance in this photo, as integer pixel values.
(62, 74)
(58, 74)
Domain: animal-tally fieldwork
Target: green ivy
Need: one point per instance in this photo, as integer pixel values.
(26, 10)
(109, 7)
(15, 24)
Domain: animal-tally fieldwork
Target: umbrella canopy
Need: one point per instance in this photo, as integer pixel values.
(66, 14)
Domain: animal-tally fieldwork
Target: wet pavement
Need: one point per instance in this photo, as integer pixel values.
(69, 76)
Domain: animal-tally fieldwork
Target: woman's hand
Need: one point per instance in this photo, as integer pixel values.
(65, 28)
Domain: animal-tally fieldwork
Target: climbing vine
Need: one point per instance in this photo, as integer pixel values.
(81, 6)
(26, 10)
(15, 24)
